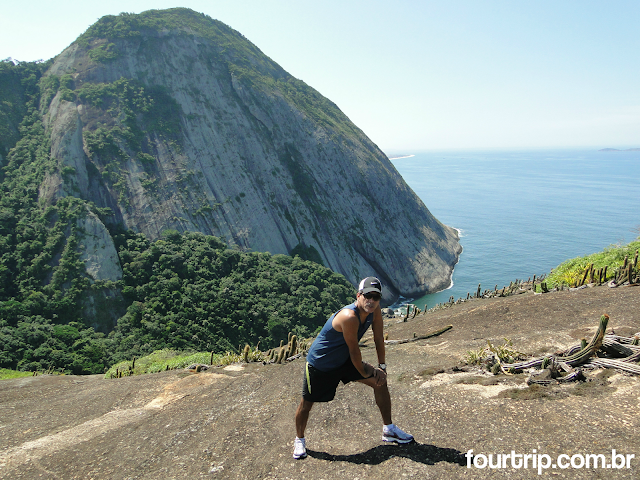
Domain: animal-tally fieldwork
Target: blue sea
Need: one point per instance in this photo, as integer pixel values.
(522, 213)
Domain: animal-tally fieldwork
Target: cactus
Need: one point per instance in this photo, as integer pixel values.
(133, 363)
(280, 356)
(245, 353)
(478, 292)
(583, 344)
(293, 345)
(591, 347)
(584, 278)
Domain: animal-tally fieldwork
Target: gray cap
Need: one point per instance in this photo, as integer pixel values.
(370, 284)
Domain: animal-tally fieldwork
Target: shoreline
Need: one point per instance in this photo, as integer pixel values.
(402, 301)
(401, 156)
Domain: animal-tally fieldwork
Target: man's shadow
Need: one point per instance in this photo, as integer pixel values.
(418, 452)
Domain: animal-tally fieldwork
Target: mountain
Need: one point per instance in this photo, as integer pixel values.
(175, 121)
(170, 120)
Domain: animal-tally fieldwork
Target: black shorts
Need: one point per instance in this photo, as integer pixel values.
(321, 386)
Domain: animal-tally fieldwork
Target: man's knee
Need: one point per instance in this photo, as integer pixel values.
(382, 387)
(305, 405)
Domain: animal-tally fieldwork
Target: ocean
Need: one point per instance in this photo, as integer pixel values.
(522, 213)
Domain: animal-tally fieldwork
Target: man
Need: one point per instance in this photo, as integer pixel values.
(335, 357)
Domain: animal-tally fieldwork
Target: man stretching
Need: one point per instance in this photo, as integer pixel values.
(335, 357)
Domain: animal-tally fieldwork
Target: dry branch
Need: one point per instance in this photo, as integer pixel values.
(422, 337)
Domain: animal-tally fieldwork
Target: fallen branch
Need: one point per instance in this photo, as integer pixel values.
(619, 364)
(422, 337)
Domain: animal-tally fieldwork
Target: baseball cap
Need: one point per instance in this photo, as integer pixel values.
(370, 284)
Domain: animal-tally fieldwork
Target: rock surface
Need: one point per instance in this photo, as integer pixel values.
(219, 139)
(238, 423)
(97, 250)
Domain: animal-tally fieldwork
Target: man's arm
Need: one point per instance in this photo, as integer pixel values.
(378, 336)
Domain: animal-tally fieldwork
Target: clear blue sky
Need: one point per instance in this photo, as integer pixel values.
(420, 75)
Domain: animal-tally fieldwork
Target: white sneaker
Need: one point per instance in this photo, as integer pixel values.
(299, 448)
(391, 433)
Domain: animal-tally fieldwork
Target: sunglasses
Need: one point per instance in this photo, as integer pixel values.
(372, 296)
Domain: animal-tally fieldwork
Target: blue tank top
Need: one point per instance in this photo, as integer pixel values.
(329, 350)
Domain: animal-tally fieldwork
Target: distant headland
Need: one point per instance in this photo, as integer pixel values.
(618, 150)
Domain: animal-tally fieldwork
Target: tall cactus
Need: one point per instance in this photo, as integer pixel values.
(245, 353)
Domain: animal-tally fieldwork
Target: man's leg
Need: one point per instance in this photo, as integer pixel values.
(302, 416)
(383, 398)
(390, 432)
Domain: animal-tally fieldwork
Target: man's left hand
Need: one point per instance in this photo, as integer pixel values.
(380, 376)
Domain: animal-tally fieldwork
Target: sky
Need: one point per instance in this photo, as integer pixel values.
(420, 75)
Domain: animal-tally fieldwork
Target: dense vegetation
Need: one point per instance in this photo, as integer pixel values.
(41, 277)
(190, 292)
(570, 272)
(186, 292)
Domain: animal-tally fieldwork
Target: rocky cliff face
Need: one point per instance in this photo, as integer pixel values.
(175, 121)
